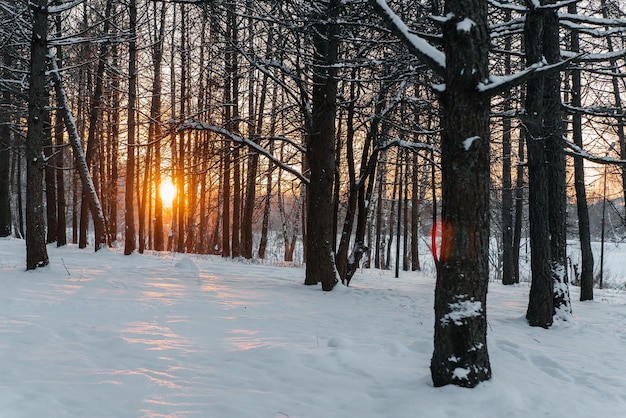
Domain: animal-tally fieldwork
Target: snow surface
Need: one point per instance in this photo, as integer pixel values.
(104, 335)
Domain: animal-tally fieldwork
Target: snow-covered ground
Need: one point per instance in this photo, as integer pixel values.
(104, 335)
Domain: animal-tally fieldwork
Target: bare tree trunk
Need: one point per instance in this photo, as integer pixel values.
(5, 158)
(586, 276)
(154, 129)
(508, 268)
(519, 209)
(541, 299)
(36, 251)
(180, 166)
(130, 243)
(460, 342)
(50, 180)
(380, 180)
(557, 187)
(617, 92)
(115, 129)
(268, 185)
(81, 162)
(405, 216)
(415, 215)
(392, 217)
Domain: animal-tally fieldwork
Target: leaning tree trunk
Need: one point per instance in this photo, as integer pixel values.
(460, 354)
(36, 251)
(320, 262)
(81, 162)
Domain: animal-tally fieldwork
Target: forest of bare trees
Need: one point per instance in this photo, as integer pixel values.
(351, 132)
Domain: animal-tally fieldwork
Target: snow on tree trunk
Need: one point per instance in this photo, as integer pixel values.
(540, 304)
(557, 187)
(81, 162)
(460, 354)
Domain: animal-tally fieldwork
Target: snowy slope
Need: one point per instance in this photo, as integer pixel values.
(103, 335)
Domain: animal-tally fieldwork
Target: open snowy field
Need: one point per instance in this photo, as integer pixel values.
(104, 335)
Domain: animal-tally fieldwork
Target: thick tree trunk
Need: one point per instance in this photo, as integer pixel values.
(460, 355)
(541, 303)
(36, 251)
(557, 187)
(320, 263)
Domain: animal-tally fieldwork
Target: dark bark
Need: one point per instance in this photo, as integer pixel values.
(341, 258)
(320, 263)
(557, 187)
(50, 180)
(460, 354)
(36, 251)
(541, 304)
(415, 215)
(60, 158)
(380, 242)
(5, 166)
(584, 234)
(81, 162)
(508, 258)
(114, 127)
(60, 181)
(130, 242)
(519, 209)
(155, 131)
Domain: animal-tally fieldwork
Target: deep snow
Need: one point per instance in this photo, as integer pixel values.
(104, 335)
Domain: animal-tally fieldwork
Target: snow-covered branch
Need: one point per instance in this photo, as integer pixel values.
(63, 7)
(412, 146)
(574, 150)
(497, 85)
(557, 5)
(508, 6)
(418, 46)
(203, 126)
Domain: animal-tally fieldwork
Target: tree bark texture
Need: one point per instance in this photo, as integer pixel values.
(320, 263)
(5, 168)
(584, 233)
(130, 240)
(557, 187)
(36, 251)
(460, 354)
(81, 162)
(541, 303)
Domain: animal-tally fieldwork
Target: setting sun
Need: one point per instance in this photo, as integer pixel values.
(168, 192)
